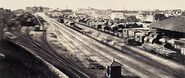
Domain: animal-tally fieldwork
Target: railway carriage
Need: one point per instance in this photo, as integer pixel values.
(106, 28)
(61, 20)
(114, 29)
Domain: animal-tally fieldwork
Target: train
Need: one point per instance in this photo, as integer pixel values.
(41, 19)
(71, 24)
(159, 50)
(60, 19)
(106, 26)
(144, 37)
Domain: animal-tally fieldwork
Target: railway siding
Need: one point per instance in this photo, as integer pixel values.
(119, 43)
(134, 61)
(100, 38)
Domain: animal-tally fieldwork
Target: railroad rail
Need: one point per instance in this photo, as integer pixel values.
(146, 62)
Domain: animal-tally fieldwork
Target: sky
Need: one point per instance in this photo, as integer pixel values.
(99, 4)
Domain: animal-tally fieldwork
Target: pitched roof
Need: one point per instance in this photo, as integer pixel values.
(114, 64)
(173, 24)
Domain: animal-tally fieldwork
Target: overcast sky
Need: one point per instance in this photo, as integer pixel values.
(99, 4)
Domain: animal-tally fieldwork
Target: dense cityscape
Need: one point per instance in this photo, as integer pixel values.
(42, 42)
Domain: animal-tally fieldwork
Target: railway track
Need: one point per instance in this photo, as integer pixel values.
(140, 51)
(107, 32)
(87, 46)
(71, 66)
(44, 50)
(47, 53)
(148, 63)
(126, 48)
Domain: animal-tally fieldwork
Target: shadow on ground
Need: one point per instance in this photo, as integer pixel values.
(19, 63)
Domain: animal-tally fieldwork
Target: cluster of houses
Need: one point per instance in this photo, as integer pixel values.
(168, 32)
(143, 17)
(37, 9)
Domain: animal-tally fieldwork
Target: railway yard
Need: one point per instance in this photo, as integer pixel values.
(136, 62)
(76, 47)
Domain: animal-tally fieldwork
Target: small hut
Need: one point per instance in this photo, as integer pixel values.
(114, 70)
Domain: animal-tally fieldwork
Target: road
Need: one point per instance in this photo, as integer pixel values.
(133, 62)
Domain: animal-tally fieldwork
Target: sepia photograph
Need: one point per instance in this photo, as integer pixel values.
(92, 39)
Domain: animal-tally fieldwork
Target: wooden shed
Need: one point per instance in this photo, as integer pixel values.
(114, 70)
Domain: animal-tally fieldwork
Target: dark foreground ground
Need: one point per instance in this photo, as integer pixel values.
(19, 63)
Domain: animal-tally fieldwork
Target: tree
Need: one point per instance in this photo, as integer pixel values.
(4, 17)
(132, 19)
(160, 17)
(183, 13)
(12, 25)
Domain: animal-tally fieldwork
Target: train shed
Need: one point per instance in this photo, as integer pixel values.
(172, 31)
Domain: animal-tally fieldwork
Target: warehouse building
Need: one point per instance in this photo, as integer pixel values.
(172, 31)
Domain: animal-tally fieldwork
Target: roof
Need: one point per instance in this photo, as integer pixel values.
(173, 23)
(181, 41)
(114, 64)
(125, 11)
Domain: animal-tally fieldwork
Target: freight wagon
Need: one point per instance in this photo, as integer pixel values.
(158, 49)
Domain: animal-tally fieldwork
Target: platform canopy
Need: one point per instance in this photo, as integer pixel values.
(173, 24)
